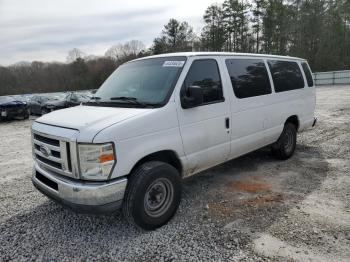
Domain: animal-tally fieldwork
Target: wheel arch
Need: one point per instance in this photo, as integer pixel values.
(294, 120)
(168, 156)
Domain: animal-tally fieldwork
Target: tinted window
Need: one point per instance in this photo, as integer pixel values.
(205, 73)
(39, 99)
(286, 75)
(248, 77)
(309, 79)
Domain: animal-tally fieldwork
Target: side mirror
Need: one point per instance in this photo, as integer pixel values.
(192, 97)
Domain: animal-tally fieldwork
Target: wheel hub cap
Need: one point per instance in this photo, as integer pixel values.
(288, 142)
(158, 197)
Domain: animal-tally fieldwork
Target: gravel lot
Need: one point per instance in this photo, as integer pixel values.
(254, 208)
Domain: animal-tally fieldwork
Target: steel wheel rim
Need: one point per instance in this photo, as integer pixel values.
(158, 198)
(288, 142)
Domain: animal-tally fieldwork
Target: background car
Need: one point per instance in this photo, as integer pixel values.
(35, 104)
(11, 108)
(68, 100)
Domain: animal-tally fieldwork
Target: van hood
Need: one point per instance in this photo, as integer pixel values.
(90, 118)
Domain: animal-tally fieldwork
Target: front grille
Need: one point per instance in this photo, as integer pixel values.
(47, 140)
(56, 153)
(53, 153)
(49, 162)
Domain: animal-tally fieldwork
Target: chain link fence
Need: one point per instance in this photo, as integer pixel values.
(332, 78)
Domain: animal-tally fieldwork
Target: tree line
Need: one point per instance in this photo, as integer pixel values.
(318, 30)
(80, 72)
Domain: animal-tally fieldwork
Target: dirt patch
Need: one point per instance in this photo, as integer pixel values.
(250, 187)
(264, 200)
(256, 194)
(220, 209)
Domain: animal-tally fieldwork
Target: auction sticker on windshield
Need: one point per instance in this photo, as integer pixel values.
(174, 63)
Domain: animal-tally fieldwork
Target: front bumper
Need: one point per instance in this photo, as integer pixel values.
(80, 196)
(13, 112)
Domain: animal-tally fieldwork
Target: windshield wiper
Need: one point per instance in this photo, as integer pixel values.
(124, 99)
(96, 98)
(129, 99)
(93, 100)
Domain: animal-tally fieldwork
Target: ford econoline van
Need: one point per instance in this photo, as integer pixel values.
(159, 119)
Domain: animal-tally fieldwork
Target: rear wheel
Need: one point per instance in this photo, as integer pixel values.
(153, 195)
(285, 145)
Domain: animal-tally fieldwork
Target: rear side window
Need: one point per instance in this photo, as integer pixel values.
(205, 73)
(307, 72)
(248, 77)
(286, 75)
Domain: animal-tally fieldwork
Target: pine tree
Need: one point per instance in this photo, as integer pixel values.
(213, 34)
(176, 36)
(258, 12)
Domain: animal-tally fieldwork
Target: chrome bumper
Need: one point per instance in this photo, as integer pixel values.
(81, 196)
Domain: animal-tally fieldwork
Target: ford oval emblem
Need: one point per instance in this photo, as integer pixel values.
(45, 150)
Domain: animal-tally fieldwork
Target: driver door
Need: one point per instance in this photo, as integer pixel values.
(205, 129)
(73, 100)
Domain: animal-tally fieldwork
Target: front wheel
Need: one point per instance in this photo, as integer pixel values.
(153, 195)
(286, 143)
(26, 114)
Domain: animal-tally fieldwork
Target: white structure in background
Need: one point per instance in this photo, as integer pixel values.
(332, 78)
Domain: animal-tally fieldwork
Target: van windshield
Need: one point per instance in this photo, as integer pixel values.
(147, 82)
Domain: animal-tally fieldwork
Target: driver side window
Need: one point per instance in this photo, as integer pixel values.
(205, 74)
(73, 98)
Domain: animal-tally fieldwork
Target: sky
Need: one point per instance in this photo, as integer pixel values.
(45, 30)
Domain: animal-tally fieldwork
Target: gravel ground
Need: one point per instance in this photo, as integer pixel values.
(253, 208)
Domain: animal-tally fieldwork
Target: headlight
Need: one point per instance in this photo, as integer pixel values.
(96, 160)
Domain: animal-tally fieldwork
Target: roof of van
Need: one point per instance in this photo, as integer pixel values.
(189, 54)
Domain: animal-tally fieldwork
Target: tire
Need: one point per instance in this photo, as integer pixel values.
(152, 195)
(286, 143)
(26, 115)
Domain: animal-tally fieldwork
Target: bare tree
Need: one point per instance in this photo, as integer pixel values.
(134, 47)
(115, 51)
(120, 51)
(74, 54)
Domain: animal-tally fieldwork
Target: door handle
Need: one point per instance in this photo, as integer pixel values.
(227, 122)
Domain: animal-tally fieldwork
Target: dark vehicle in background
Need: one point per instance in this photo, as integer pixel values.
(11, 108)
(36, 103)
(68, 100)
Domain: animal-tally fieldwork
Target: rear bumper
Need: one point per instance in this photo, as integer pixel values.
(306, 124)
(80, 196)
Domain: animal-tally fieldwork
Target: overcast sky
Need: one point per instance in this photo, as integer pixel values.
(45, 30)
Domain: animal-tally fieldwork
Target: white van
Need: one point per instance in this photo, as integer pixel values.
(159, 119)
